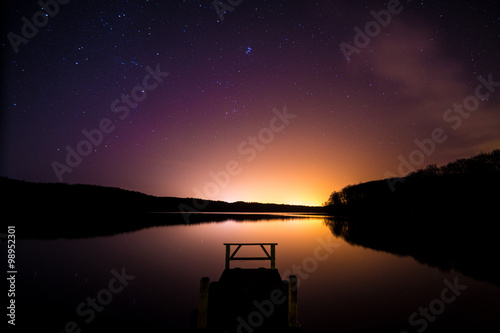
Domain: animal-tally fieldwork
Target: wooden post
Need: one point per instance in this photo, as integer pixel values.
(203, 303)
(292, 302)
(273, 256)
(228, 255)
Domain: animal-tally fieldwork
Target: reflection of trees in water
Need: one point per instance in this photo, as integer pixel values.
(339, 227)
(465, 246)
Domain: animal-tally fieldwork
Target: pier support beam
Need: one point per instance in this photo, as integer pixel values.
(228, 255)
(273, 256)
(292, 302)
(203, 303)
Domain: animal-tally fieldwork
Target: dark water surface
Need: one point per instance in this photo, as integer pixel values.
(148, 281)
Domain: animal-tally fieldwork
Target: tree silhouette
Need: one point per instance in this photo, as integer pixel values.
(469, 184)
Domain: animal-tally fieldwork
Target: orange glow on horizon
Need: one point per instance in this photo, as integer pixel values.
(304, 175)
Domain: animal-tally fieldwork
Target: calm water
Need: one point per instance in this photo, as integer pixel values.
(342, 288)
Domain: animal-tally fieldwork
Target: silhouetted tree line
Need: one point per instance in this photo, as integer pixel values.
(467, 185)
(61, 210)
(76, 200)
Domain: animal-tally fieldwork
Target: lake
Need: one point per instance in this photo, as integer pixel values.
(149, 280)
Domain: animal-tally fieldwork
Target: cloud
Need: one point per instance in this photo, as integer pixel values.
(478, 133)
(425, 81)
(413, 63)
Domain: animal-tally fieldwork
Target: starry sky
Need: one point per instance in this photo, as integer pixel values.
(268, 101)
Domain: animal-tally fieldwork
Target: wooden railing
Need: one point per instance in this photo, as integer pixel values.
(268, 256)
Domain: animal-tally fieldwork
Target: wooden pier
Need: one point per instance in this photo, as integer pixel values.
(248, 300)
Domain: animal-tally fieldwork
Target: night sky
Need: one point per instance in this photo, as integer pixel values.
(271, 101)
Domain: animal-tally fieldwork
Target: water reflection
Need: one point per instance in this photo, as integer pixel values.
(458, 246)
(114, 225)
(342, 287)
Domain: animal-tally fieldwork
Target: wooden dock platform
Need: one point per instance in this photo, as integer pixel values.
(248, 300)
